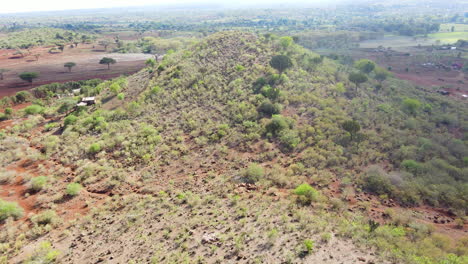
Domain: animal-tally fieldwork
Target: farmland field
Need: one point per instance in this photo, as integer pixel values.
(51, 66)
(448, 37)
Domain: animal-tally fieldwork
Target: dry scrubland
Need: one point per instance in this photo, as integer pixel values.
(212, 156)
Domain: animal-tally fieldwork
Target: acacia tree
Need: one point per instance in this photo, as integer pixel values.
(357, 78)
(381, 74)
(285, 42)
(61, 47)
(29, 76)
(108, 61)
(352, 127)
(69, 65)
(281, 63)
(365, 66)
(2, 71)
(104, 43)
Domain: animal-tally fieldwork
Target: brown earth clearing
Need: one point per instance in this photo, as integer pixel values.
(50, 66)
(423, 68)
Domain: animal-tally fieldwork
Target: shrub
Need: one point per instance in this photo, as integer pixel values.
(73, 189)
(67, 105)
(22, 97)
(357, 78)
(50, 126)
(9, 209)
(352, 127)
(376, 181)
(365, 65)
(239, 68)
(281, 63)
(306, 194)
(272, 93)
(70, 120)
(411, 166)
(45, 218)
(121, 96)
(44, 254)
(308, 245)
(155, 90)
(8, 111)
(411, 105)
(6, 176)
(254, 173)
(38, 183)
(94, 148)
(289, 139)
(33, 110)
(268, 109)
(277, 124)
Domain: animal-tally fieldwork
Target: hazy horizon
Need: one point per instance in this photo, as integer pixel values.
(28, 6)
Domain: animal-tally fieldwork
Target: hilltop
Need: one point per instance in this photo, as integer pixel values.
(240, 148)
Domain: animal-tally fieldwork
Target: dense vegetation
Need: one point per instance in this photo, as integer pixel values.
(29, 38)
(300, 118)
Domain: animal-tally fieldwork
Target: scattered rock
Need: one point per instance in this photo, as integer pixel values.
(209, 239)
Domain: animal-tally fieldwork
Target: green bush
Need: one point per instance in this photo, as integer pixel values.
(121, 96)
(411, 105)
(269, 109)
(308, 245)
(33, 110)
(38, 183)
(289, 139)
(10, 209)
(8, 111)
(46, 218)
(376, 181)
(94, 148)
(50, 126)
(411, 166)
(254, 173)
(73, 189)
(306, 194)
(22, 97)
(70, 120)
(277, 124)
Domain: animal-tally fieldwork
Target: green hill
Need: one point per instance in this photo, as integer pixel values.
(223, 159)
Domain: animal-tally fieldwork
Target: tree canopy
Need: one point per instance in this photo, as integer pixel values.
(365, 66)
(357, 78)
(108, 61)
(29, 76)
(69, 65)
(281, 63)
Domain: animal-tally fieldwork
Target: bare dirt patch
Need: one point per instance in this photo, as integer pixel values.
(422, 68)
(50, 66)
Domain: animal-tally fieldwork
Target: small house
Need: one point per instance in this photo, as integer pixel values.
(457, 66)
(442, 92)
(86, 101)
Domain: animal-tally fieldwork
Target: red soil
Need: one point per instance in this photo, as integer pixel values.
(50, 66)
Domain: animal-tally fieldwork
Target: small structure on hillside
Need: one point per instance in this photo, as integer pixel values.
(457, 66)
(442, 92)
(86, 101)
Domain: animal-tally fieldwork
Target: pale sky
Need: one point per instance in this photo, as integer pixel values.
(14, 6)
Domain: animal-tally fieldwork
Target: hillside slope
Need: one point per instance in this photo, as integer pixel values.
(222, 159)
